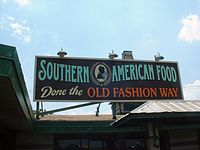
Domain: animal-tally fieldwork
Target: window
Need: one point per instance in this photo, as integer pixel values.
(111, 143)
(96, 144)
(69, 144)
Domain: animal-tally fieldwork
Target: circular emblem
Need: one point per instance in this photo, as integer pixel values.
(100, 74)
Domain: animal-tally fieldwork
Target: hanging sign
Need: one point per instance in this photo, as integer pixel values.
(98, 80)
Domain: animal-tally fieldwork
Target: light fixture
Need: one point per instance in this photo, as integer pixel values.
(61, 53)
(112, 55)
(158, 57)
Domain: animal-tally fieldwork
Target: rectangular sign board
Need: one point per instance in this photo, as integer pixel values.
(98, 80)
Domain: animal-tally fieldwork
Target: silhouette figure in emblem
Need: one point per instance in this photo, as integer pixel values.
(101, 73)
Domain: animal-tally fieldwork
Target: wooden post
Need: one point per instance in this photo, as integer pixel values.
(37, 110)
(152, 139)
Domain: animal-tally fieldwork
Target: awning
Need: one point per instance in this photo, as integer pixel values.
(15, 108)
(162, 112)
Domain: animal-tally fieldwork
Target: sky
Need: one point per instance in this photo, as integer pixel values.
(93, 28)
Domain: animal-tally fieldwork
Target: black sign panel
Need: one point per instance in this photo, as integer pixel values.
(82, 79)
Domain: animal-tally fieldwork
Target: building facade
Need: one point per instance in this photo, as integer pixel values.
(153, 125)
